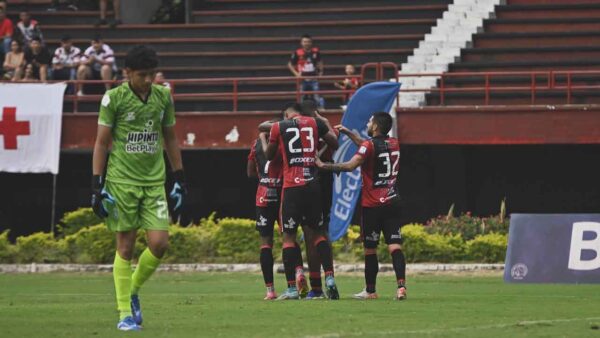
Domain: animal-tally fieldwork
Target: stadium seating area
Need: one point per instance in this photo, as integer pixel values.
(226, 39)
(525, 36)
(248, 39)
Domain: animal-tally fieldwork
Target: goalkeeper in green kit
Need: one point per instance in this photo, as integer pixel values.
(138, 118)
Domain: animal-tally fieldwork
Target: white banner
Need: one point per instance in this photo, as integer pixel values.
(30, 127)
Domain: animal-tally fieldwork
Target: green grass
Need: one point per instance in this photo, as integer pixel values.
(231, 305)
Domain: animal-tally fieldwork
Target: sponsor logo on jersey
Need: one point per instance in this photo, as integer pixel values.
(302, 160)
(145, 141)
(130, 116)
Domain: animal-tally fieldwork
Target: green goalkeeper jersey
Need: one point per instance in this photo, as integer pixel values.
(136, 157)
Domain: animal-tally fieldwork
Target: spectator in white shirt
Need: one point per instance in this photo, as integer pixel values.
(97, 63)
(65, 60)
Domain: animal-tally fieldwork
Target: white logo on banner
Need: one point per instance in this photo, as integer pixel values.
(578, 245)
(519, 271)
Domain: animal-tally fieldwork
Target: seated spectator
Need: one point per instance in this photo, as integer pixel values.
(39, 57)
(351, 82)
(65, 60)
(6, 32)
(27, 29)
(159, 78)
(14, 62)
(97, 63)
(29, 74)
(116, 10)
(3, 5)
(306, 62)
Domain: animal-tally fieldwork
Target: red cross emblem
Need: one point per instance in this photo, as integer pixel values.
(10, 128)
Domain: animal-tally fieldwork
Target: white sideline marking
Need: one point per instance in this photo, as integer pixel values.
(455, 329)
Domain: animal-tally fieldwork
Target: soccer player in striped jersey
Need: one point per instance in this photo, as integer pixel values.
(378, 158)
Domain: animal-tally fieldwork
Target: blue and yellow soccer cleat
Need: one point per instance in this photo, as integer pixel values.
(332, 291)
(136, 309)
(290, 293)
(128, 324)
(313, 294)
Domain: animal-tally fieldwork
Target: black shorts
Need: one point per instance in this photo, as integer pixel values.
(265, 219)
(301, 205)
(375, 220)
(326, 181)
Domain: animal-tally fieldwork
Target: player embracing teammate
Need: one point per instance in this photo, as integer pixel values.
(378, 158)
(296, 139)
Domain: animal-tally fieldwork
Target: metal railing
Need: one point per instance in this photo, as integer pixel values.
(560, 81)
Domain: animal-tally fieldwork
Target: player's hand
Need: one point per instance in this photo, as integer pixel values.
(343, 129)
(99, 197)
(318, 162)
(177, 194)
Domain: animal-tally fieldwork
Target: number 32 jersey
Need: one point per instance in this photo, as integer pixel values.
(379, 170)
(297, 139)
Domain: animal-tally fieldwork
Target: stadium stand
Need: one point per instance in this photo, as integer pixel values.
(545, 36)
(227, 39)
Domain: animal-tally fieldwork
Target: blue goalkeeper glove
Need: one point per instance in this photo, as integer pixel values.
(177, 194)
(99, 196)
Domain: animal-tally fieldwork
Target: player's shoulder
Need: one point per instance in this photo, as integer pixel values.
(163, 91)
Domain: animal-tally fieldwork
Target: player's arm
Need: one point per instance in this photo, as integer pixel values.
(266, 126)
(172, 148)
(355, 162)
(251, 164)
(355, 137)
(270, 148)
(326, 133)
(251, 169)
(103, 140)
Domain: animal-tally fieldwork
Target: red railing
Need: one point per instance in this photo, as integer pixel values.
(539, 81)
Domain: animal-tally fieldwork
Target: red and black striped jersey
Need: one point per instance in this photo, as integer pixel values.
(270, 175)
(306, 61)
(297, 139)
(379, 170)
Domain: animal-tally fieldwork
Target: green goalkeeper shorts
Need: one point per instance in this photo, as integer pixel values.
(136, 207)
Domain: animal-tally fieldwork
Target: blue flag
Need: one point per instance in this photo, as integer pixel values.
(372, 98)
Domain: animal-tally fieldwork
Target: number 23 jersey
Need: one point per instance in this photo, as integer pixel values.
(297, 139)
(379, 170)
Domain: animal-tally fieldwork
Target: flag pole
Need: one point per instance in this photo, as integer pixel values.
(53, 204)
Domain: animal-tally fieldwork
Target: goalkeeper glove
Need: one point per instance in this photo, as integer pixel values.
(177, 194)
(99, 194)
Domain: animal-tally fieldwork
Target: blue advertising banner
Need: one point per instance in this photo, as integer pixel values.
(374, 97)
(553, 249)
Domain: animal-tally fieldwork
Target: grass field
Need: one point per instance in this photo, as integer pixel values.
(231, 305)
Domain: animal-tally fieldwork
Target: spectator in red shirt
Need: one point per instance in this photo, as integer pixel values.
(306, 62)
(6, 31)
(351, 82)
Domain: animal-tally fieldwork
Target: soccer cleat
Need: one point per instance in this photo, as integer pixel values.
(365, 295)
(136, 309)
(315, 295)
(290, 293)
(302, 285)
(332, 291)
(270, 295)
(401, 293)
(128, 324)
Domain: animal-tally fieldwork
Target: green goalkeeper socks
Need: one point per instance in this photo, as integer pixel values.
(147, 264)
(122, 277)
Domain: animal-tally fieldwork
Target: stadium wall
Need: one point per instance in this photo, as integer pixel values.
(533, 178)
